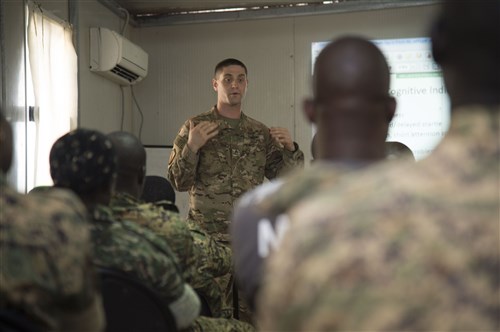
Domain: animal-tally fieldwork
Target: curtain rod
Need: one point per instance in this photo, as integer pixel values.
(33, 5)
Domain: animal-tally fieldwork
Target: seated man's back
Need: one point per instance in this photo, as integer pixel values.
(201, 259)
(46, 272)
(128, 247)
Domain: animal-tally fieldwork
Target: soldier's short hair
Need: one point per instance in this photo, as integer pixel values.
(229, 62)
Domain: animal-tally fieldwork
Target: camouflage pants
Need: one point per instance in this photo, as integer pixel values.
(204, 324)
(227, 283)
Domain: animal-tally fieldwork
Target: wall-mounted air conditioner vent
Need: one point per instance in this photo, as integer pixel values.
(116, 58)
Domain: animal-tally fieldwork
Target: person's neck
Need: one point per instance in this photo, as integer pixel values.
(91, 201)
(130, 189)
(353, 152)
(229, 111)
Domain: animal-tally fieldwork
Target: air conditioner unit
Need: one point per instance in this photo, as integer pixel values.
(116, 58)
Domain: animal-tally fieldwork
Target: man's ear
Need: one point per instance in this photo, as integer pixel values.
(310, 110)
(390, 108)
(215, 84)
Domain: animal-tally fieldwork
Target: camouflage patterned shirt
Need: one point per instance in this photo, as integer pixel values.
(128, 247)
(398, 248)
(260, 220)
(201, 258)
(45, 264)
(236, 160)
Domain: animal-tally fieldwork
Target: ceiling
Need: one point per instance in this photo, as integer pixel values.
(144, 13)
(136, 7)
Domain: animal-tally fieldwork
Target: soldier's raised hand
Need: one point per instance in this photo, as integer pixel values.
(200, 134)
(283, 137)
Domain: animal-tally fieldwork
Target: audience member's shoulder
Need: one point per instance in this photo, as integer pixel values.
(360, 190)
(153, 213)
(144, 234)
(55, 224)
(260, 193)
(53, 206)
(51, 200)
(320, 172)
(385, 174)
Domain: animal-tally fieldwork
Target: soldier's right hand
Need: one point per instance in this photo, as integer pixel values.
(200, 134)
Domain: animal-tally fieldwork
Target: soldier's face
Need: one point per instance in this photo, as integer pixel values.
(231, 85)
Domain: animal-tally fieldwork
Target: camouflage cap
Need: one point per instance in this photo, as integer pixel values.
(82, 160)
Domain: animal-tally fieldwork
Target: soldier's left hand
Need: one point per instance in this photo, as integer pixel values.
(282, 136)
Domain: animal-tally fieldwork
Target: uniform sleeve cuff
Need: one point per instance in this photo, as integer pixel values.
(188, 155)
(291, 153)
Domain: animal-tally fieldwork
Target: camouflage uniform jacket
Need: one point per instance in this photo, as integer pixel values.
(128, 247)
(398, 248)
(259, 221)
(201, 258)
(45, 265)
(233, 162)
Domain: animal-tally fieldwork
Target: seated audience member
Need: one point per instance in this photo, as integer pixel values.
(411, 248)
(201, 258)
(397, 150)
(158, 191)
(46, 274)
(85, 162)
(352, 110)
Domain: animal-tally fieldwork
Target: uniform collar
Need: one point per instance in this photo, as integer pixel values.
(220, 120)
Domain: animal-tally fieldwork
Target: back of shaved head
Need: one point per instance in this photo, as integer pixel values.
(351, 107)
(131, 160)
(350, 65)
(130, 152)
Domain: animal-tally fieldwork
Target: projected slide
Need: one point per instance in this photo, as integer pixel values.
(423, 112)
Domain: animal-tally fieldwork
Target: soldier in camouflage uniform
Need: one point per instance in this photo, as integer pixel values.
(220, 154)
(201, 258)
(259, 220)
(45, 270)
(413, 248)
(85, 162)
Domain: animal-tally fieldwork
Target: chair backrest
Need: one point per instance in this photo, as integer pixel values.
(13, 321)
(131, 305)
(157, 188)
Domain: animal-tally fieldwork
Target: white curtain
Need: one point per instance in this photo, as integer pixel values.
(53, 66)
